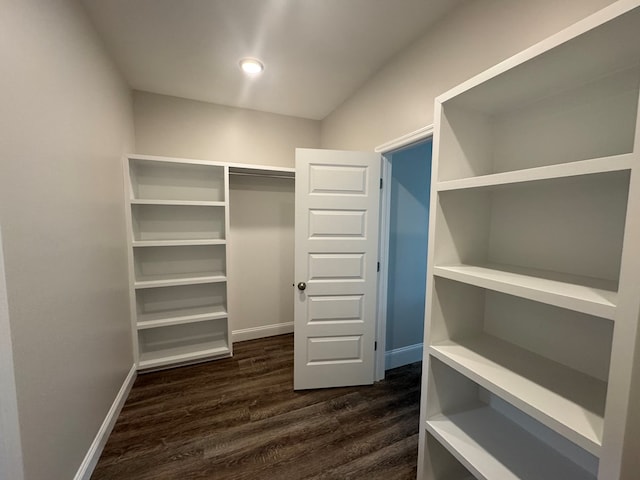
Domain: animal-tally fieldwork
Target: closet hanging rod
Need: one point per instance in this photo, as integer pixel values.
(265, 175)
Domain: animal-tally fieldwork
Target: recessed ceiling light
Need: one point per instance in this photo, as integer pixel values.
(251, 66)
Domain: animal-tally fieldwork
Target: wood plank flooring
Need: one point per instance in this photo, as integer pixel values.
(239, 418)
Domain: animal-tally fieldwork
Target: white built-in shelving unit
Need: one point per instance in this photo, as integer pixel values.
(533, 288)
(178, 228)
(178, 217)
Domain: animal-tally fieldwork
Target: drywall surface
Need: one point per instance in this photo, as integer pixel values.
(473, 37)
(261, 241)
(10, 447)
(177, 127)
(65, 122)
(408, 235)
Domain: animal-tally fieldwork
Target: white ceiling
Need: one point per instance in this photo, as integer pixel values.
(316, 52)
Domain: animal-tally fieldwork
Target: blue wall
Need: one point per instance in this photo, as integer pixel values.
(409, 225)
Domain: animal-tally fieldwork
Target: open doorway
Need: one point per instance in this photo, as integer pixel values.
(404, 239)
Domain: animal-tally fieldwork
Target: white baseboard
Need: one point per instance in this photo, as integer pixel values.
(402, 356)
(262, 331)
(95, 450)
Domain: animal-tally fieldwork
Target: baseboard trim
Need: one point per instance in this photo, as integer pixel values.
(402, 356)
(262, 331)
(95, 450)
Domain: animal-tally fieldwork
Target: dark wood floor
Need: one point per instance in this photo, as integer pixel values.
(239, 418)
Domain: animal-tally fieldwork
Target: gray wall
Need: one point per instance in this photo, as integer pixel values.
(408, 234)
(475, 36)
(65, 122)
(10, 449)
(261, 211)
(179, 127)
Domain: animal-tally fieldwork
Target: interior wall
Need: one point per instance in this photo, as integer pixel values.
(10, 449)
(261, 256)
(261, 210)
(408, 235)
(473, 37)
(178, 127)
(66, 121)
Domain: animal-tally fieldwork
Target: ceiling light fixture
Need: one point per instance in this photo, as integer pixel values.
(251, 66)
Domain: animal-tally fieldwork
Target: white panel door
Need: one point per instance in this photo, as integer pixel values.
(336, 255)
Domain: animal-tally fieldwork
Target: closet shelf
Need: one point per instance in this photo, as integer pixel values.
(183, 354)
(189, 203)
(571, 169)
(493, 447)
(172, 280)
(582, 294)
(178, 317)
(177, 243)
(565, 400)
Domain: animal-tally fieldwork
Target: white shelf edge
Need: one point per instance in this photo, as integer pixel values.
(262, 170)
(189, 161)
(182, 319)
(499, 433)
(212, 163)
(141, 284)
(176, 243)
(589, 300)
(186, 203)
(183, 357)
(560, 414)
(563, 170)
(579, 28)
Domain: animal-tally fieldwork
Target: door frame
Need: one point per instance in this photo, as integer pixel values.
(386, 149)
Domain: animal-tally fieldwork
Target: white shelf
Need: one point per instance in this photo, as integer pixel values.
(263, 171)
(171, 280)
(177, 243)
(558, 63)
(172, 161)
(565, 400)
(179, 317)
(188, 203)
(495, 448)
(157, 178)
(587, 295)
(183, 354)
(584, 167)
(177, 222)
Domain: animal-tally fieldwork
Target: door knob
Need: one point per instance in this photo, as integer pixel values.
(302, 286)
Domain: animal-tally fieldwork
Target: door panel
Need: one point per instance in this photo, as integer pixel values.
(336, 309)
(336, 266)
(337, 224)
(336, 254)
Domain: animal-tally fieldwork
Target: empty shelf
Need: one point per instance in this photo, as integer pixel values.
(565, 400)
(177, 317)
(170, 280)
(571, 169)
(177, 243)
(181, 354)
(493, 447)
(571, 292)
(189, 203)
